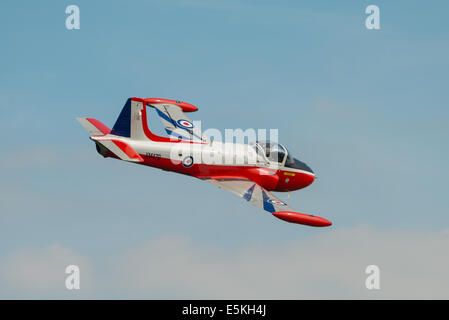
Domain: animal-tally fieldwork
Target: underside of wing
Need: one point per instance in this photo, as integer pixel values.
(258, 196)
(176, 123)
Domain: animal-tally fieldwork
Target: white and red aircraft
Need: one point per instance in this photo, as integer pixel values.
(185, 151)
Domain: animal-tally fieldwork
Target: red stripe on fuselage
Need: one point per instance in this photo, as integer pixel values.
(269, 182)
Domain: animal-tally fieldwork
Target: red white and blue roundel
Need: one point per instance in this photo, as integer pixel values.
(277, 202)
(185, 124)
(187, 162)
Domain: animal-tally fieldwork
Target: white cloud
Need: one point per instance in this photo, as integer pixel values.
(332, 265)
(327, 265)
(40, 273)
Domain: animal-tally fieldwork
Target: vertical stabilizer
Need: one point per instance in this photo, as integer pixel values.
(130, 123)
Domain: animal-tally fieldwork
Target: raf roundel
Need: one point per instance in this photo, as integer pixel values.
(185, 124)
(277, 202)
(187, 162)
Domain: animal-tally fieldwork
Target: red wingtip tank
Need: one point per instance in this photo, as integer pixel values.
(301, 218)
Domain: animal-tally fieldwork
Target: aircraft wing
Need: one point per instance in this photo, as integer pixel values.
(176, 123)
(258, 196)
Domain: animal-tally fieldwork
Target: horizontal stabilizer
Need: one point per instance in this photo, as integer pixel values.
(119, 148)
(94, 127)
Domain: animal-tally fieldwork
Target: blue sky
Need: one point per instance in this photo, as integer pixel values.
(367, 110)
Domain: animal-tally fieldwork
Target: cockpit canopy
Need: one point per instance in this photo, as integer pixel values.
(276, 153)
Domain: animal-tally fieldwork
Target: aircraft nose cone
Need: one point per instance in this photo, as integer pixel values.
(310, 179)
(304, 180)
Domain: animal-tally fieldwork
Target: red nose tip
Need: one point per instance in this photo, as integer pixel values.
(309, 179)
(301, 218)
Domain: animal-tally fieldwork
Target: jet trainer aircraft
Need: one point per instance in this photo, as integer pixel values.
(186, 151)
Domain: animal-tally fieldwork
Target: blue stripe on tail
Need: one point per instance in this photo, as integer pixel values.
(122, 126)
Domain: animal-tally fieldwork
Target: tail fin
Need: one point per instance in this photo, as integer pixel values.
(94, 127)
(130, 122)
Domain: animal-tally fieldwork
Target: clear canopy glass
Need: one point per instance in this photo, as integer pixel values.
(273, 152)
(277, 153)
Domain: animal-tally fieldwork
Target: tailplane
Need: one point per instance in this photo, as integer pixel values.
(106, 145)
(94, 127)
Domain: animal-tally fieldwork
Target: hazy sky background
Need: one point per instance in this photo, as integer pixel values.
(367, 110)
